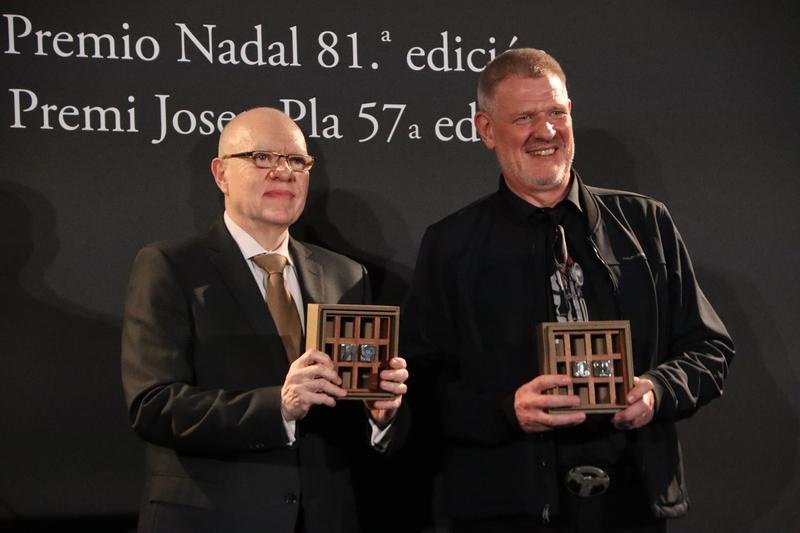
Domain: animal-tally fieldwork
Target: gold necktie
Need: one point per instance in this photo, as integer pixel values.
(280, 303)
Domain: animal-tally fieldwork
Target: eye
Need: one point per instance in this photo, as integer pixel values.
(524, 119)
(263, 157)
(297, 162)
(558, 113)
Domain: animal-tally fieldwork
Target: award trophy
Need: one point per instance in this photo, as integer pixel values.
(360, 339)
(596, 354)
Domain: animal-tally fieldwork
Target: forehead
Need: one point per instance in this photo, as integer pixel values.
(518, 93)
(282, 139)
(265, 132)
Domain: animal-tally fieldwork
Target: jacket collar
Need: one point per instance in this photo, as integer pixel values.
(309, 271)
(224, 253)
(600, 218)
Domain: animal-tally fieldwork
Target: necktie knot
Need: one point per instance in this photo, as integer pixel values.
(272, 263)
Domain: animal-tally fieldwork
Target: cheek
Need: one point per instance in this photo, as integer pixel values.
(566, 133)
(302, 187)
(300, 201)
(510, 144)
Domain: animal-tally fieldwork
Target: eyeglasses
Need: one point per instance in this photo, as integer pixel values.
(267, 160)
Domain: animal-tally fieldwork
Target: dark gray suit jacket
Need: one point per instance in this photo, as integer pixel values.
(202, 368)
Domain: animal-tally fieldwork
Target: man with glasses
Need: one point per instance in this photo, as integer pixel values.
(544, 248)
(243, 429)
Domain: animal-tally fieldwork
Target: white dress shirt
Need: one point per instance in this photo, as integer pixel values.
(250, 248)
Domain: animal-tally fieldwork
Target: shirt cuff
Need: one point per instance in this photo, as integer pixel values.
(290, 427)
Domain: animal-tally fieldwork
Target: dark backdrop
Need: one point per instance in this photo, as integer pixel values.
(691, 102)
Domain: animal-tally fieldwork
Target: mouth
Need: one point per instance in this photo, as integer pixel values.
(279, 193)
(544, 152)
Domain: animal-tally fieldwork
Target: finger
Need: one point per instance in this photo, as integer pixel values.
(640, 388)
(630, 413)
(398, 376)
(562, 419)
(313, 372)
(397, 362)
(548, 401)
(308, 374)
(324, 386)
(632, 417)
(319, 398)
(314, 357)
(327, 373)
(398, 389)
(303, 359)
(548, 381)
(386, 404)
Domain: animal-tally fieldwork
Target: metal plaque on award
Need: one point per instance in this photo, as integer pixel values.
(360, 339)
(596, 354)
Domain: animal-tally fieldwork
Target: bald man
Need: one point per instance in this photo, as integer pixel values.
(238, 437)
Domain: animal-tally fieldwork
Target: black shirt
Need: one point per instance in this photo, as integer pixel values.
(595, 442)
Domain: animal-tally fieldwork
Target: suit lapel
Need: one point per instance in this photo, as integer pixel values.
(227, 257)
(309, 272)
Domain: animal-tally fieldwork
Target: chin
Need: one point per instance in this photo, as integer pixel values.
(547, 183)
(274, 219)
(557, 179)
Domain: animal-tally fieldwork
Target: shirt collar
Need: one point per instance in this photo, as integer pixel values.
(573, 195)
(249, 246)
(521, 209)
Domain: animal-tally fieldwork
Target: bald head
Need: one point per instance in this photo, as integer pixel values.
(250, 127)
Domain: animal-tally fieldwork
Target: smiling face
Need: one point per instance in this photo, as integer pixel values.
(263, 202)
(529, 127)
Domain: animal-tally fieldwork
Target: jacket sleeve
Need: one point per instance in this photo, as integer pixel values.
(164, 404)
(397, 434)
(433, 341)
(698, 349)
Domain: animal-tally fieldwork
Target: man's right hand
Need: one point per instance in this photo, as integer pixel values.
(311, 380)
(531, 403)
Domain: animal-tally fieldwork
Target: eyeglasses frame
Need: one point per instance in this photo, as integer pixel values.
(252, 156)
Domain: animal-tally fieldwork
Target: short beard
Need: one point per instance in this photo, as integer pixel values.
(554, 181)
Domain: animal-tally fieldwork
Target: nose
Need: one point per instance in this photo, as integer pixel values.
(281, 170)
(544, 129)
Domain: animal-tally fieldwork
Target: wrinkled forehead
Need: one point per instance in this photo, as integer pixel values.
(549, 85)
(518, 91)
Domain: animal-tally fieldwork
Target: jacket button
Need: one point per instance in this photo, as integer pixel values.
(290, 498)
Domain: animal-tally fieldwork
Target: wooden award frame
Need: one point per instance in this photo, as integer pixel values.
(360, 339)
(597, 355)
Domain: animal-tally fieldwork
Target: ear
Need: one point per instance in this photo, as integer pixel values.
(569, 105)
(483, 123)
(218, 170)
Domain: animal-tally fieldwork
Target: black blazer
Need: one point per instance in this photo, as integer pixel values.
(202, 368)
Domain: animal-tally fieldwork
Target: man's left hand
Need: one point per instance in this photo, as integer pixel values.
(641, 401)
(392, 380)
